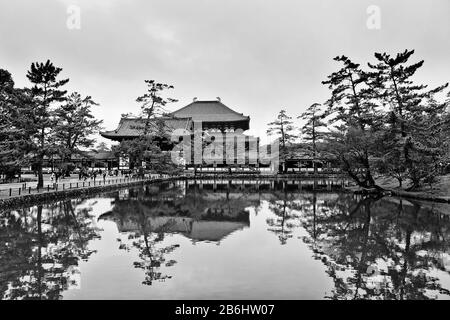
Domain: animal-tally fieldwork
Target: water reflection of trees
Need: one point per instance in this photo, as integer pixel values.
(147, 239)
(379, 248)
(40, 248)
(372, 248)
(283, 224)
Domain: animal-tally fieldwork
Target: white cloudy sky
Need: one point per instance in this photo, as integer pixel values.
(257, 55)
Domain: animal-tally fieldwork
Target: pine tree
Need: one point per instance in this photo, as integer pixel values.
(409, 114)
(16, 126)
(147, 147)
(102, 147)
(432, 140)
(45, 93)
(10, 134)
(282, 127)
(351, 107)
(75, 125)
(153, 103)
(311, 130)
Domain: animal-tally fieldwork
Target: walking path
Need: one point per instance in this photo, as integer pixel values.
(15, 189)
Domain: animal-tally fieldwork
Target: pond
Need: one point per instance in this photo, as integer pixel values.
(223, 239)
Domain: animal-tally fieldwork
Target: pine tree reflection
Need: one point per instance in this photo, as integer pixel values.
(40, 248)
(281, 204)
(381, 248)
(146, 237)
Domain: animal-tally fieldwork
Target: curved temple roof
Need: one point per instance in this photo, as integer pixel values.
(134, 127)
(210, 111)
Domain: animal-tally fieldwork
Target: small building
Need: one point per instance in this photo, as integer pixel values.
(299, 160)
(88, 159)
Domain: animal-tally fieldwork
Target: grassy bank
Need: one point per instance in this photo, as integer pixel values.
(439, 191)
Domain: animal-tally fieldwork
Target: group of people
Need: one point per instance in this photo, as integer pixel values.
(85, 174)
(54, 177)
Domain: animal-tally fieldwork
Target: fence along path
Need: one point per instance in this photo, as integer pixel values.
(19, 189)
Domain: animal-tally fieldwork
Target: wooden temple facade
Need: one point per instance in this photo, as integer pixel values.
(220, 126)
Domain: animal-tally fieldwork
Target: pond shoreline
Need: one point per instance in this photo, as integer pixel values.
(357, 190)
(400, 193)
(37, 198)
(33, 199)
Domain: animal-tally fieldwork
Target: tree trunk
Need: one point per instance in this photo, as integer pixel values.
(39, 275)
(40, 173)
(314, 214)
(362, 266)
(314, 148)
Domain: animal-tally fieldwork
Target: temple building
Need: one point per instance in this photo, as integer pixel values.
(213, 115)
(219, 123)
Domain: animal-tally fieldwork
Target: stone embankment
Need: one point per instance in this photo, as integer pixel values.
(57, 195)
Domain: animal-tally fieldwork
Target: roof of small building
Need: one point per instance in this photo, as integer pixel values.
(94, 155)
(210, 111)
(101, 155)
(133, 127)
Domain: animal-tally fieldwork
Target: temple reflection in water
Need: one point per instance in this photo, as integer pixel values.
(203, 210)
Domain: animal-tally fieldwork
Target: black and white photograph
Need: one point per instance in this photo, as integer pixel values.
(224, 156)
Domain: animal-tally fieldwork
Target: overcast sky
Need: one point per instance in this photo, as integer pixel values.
(257, 55)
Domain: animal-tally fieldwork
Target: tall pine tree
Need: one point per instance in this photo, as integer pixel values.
(147, 147)
(283, 127)
(353, 110)
(46, 92)
(312, 130)
(11, 134)
(412, 116)
(75, 125)
(153, 103)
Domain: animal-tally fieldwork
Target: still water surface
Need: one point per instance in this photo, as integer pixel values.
(227, 240)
